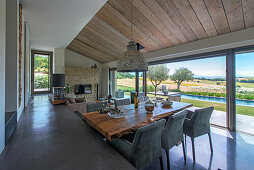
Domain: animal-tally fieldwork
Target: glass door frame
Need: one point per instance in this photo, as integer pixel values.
(228, 53)
(235, 51)
(50, 54)
(136, 81)
(230, 76)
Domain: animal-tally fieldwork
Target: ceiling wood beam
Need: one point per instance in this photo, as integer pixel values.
(159, 24)
(172, 11)
(155, 21)
(163, 16)
(248, 13)
(234, 11)
(204, 17)
(141, 22)
(217, 13)
(123, 25)
(187, 12)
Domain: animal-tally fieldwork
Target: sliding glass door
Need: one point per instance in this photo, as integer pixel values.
(206, 88)
(41, 71)
(123, 83)
(223, 79)
(245, 92)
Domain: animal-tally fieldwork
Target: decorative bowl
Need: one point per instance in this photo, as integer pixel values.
(167, 103)
(149, 106)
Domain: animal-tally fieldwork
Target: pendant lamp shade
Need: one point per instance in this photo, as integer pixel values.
(132, 60)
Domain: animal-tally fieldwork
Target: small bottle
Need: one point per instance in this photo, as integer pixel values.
(136, 100)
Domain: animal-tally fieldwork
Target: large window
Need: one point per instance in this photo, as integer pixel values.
(223, 79)
(122, 84)
(206, 88)
(245, 92)
(41, 71)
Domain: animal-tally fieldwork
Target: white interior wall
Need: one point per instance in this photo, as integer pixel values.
(27, 53)
(2, 72)
(58, 60)
(11, 56)
(73, 59)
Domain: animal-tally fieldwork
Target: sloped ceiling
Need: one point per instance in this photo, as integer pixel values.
(54, 23)
(159, 24)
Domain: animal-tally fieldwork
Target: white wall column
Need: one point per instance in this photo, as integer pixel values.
(11, 55)
(27, 53)
(2, 72)
(59, 60)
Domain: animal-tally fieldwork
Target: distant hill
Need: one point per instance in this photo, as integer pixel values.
(208, 77)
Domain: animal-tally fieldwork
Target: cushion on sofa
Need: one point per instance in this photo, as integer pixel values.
(80, 100)
(71, 100)
(68, 95)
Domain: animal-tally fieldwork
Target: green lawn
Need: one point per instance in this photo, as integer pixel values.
(125, 88)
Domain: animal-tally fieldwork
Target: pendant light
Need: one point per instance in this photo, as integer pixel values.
(132, 60)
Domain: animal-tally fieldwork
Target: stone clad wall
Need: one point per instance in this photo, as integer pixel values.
(82, 75)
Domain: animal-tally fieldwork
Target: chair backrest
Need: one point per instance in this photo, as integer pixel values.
(92, 107)
(200, 121)
(146, 146)
(173, 131)
(121, 102)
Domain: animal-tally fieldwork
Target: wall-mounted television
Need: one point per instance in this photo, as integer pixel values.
(83, 89)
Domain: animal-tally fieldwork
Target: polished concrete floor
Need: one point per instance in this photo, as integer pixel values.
(51, 137)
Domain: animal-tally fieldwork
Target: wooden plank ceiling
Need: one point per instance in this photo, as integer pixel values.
(159, 24)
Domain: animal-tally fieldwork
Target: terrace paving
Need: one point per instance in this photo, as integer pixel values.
(243, 123)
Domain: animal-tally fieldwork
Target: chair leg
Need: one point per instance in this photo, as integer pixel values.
(185, 139)
(184, 154)
(210, 140)
(168, 164)
(193, 150)
(161, 163)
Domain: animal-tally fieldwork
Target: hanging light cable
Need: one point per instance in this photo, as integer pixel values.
(132, 60)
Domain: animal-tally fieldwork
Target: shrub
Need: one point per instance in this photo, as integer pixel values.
(150, 88)
(175, 90)
(41, 81)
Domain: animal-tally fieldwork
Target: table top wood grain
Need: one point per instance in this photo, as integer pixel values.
(113, 128)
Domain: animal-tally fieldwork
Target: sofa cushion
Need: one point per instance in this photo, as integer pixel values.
(70, 95)
(80, 100)
(71, 100)
(67, 102)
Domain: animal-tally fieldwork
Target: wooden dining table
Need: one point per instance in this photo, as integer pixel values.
(134, 118)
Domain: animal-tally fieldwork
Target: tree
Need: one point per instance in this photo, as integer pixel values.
(180, 75)
(157, 74)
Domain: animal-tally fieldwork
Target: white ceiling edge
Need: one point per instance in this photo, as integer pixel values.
(55, 23)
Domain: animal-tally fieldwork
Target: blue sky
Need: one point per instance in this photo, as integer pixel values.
(245, 64)
(217, 66)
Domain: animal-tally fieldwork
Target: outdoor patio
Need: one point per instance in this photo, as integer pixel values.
(243, 123)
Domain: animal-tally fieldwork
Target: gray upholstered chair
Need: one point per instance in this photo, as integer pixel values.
(197, 125)
(146, 145)
(121, 102)
(96, 106)
(172, 133)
